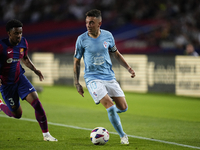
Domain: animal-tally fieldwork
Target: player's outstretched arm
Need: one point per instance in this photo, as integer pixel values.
(76, 76)
(26, 60)
(38, 72)
(117, 55)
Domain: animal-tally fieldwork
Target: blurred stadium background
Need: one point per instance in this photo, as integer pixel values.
(151, 34)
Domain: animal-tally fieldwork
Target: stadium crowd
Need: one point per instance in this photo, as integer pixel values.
(180, 23)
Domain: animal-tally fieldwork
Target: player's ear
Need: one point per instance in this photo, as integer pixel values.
(8, 33)
(100, 23)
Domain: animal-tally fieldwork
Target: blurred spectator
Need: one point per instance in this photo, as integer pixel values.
(180, 40)
(190, 50)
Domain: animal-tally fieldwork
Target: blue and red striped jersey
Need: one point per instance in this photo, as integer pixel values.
(10, 67)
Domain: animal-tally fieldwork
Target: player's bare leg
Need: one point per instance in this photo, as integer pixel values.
(18, 113)
(121, 104)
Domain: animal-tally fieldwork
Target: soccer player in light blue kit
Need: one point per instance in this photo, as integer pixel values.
(96, 46)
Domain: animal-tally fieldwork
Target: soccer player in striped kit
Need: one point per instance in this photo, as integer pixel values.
(13, 82)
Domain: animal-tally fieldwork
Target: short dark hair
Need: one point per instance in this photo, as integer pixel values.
(13, 23)
(94, 13)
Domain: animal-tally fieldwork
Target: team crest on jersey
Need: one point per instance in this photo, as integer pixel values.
(105, 44)
(95, 94)
(21, 50)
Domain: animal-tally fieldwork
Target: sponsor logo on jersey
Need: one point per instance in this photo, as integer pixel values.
(105, 44)
(10, 60)
(9, 52)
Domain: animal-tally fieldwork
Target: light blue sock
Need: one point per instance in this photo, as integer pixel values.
(120, 111)
(115, 120)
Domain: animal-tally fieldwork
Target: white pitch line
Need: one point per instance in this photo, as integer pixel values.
(133, 136)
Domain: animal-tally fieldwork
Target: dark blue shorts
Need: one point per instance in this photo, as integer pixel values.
(12, 92)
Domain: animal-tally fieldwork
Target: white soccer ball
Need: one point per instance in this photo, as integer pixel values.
(99, 136)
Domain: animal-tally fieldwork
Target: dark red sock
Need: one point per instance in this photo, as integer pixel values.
(40, 115)
(7, 111)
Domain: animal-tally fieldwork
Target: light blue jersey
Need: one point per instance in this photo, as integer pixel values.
(96, 56)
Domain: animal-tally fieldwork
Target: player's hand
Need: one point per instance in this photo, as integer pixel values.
(38, 72)
(80, 89)
(0, 82)
(132, 72)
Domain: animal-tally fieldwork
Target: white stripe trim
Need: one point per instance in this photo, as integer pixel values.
(133, 136)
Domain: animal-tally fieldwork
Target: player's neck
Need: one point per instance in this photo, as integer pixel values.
(95, 35)
(13, 43)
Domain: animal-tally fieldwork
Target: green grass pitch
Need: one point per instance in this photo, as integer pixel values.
(153, 122)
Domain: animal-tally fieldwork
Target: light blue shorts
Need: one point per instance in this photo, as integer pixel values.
(99, 88)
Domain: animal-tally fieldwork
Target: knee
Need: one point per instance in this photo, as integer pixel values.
(123, 109)
(18, 115)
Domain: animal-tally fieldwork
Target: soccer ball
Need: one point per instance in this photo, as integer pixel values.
(99, 136)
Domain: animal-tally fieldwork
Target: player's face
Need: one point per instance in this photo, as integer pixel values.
(93, 25)
(15, 35)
